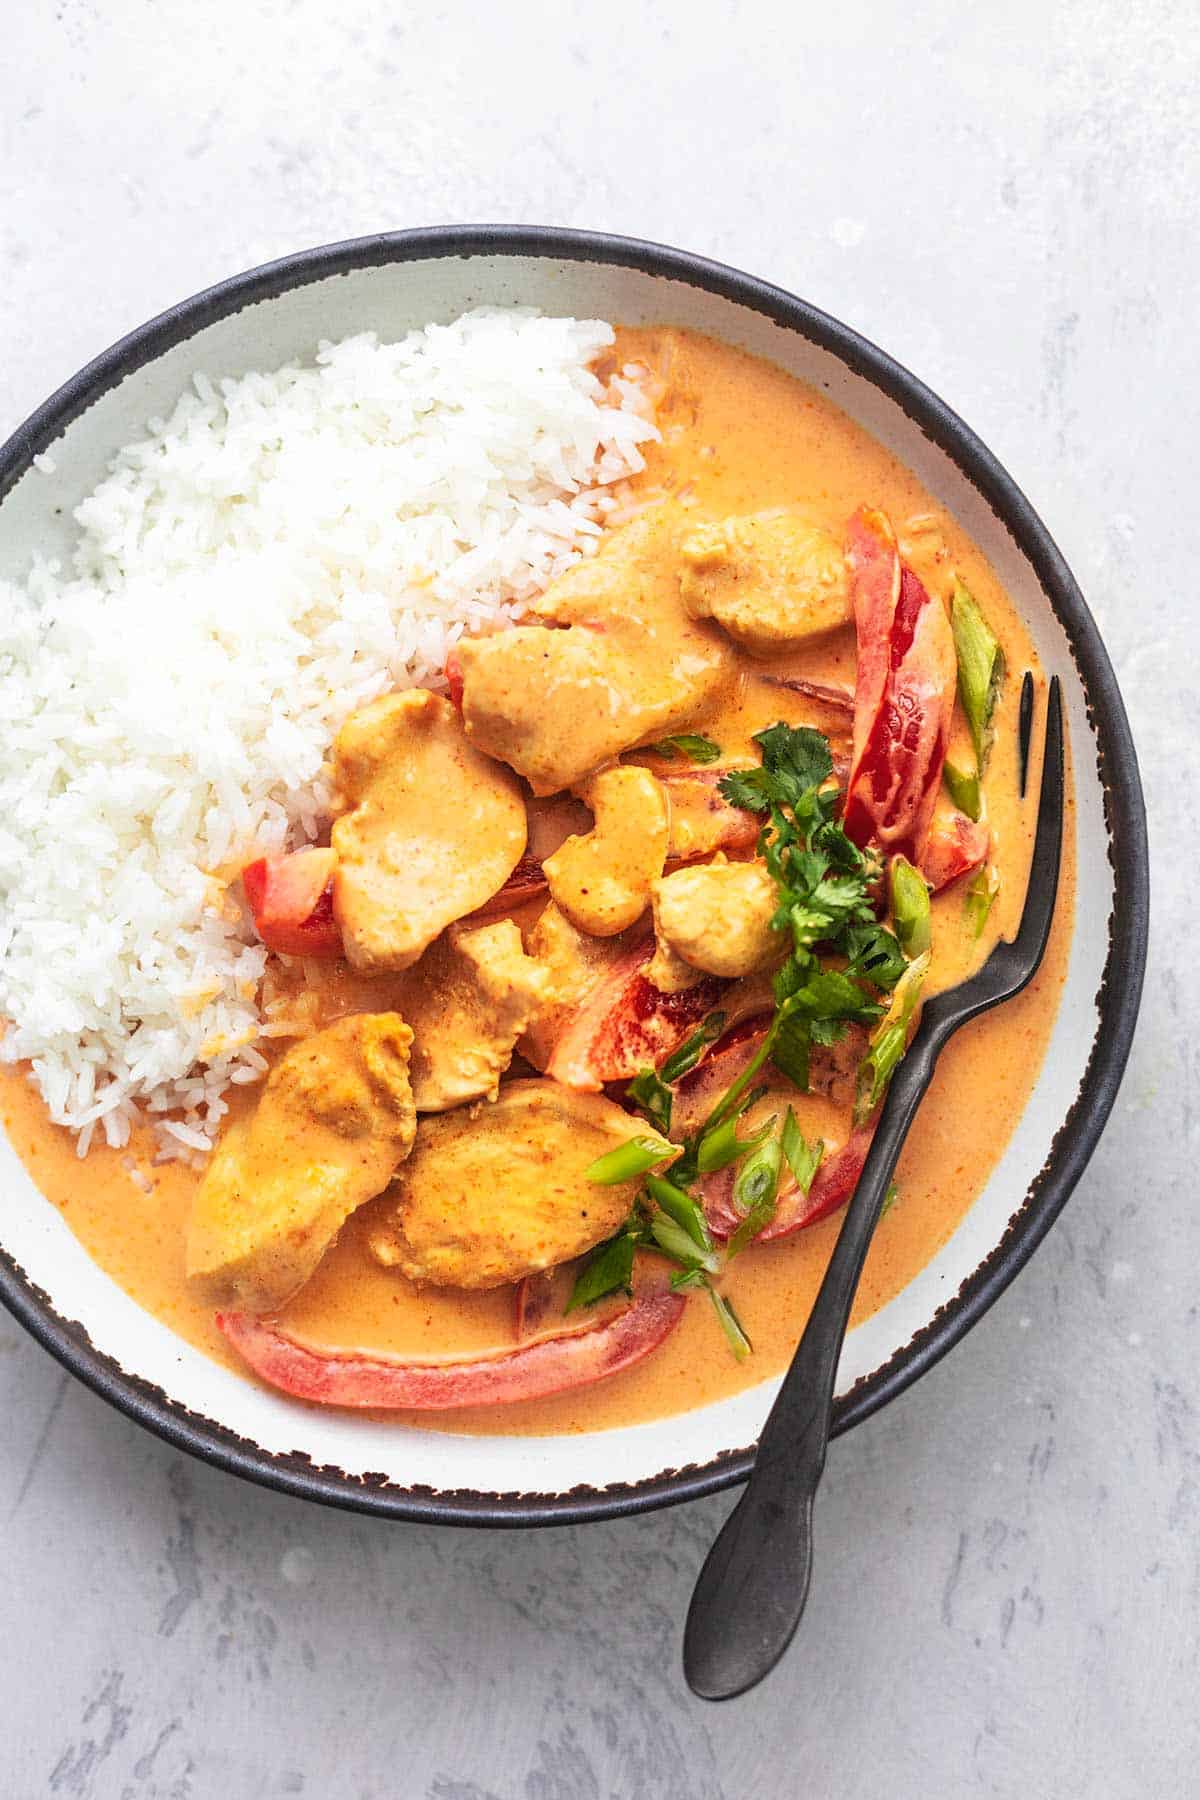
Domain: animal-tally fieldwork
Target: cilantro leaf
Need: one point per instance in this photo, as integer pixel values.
(746, 788)
(790, 1052)
(798, 757)
(875, 952)
(833, 994)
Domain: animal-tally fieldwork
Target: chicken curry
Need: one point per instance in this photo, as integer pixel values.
(583, 1013)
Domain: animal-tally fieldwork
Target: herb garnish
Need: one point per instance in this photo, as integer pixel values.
(962, 785)
(889, 1040)
(651, 1095)
(650, 1089)
(802, 1158)
(840, 960)
(980, 668)
(629, 1160)
(981, 893)
(731, 1325)
(825, 887)
(609, 1271)
(692, 1049)
(980, 673)
(910, 905)
(696, 748)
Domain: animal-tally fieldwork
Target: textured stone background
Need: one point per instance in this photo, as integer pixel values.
(1007, 1596)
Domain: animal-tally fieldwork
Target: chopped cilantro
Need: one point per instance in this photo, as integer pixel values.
(842, 966)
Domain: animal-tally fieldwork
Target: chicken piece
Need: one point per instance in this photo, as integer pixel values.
(574, 964)
(771, 579)
(495, 1192)
(717, 917)
(333, 1123)
(668, 972)
(602, 880)
(468, 1000)
(630, 666)
(434, 828)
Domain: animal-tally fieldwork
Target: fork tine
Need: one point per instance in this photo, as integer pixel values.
(1042, 891)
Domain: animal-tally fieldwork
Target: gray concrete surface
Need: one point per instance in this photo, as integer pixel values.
(1007, 1596)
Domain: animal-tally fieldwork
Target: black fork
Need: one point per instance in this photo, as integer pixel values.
(754, 1583)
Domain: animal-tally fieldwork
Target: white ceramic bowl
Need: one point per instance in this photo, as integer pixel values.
(391, 283)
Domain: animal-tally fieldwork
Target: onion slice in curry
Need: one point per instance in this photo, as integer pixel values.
(530, 1372)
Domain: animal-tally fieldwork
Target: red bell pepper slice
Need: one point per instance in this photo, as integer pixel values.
(524, 884)
(904, 695)
(832, 1186)
(529, 1372)
(626, 1024)
(291, 899)
(954, 847)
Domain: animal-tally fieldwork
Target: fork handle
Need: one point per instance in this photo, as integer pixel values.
(752, 1589)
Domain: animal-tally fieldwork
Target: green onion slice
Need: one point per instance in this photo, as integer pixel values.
(754, 1191)
(651, 1096)
(629, 1160)
(610, 1269)
(678, 1245)
(731, 1325)
(962, 785)
(693, 1048)
(801, 1157)
(981, 893)
(682, 1208)
(889, 1040)
(910, 906)
(980, 668)
(696, 748)
(722, 1145)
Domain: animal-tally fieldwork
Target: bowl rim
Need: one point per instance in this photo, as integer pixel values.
(1125, 818)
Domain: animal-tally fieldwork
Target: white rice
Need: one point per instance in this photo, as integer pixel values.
(280, 550)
